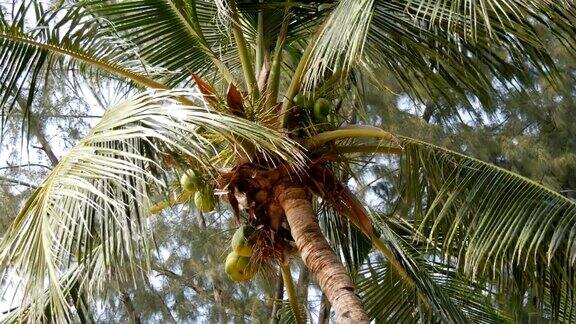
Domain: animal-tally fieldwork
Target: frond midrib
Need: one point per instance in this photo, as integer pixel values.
(86, 58)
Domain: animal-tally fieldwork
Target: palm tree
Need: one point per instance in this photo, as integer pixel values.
(271, 128)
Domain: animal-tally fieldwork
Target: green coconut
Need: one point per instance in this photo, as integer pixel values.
(300, 100)
(322, 109)
(303, 100)
(241, 240)
(190, 182)
(204, 200)
(238, 267)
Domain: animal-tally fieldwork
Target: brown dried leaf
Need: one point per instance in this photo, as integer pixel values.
(234, 100)
(206, 89)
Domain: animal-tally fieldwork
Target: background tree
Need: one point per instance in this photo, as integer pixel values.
(454, 214)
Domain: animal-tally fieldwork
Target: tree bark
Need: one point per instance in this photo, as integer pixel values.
(318, 256)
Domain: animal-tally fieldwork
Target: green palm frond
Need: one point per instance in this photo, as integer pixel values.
(474, 20)
(388, 299)
(493, 221)
(341, 40)
(412, 271)
(303, 18)
(353, 247)
(97, 196)
(494, 225)
(449, 61)
(35, 40)
(179, 36)
(287, 315)
(438, 47)
(75, 288)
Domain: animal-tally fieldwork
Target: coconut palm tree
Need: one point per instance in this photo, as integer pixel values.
(256, 104)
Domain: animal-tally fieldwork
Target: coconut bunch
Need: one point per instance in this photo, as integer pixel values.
(239, 263)
(318, 108)
(311, 113)
(195, 186)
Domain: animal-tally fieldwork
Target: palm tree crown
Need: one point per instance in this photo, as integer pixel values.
(256, 104)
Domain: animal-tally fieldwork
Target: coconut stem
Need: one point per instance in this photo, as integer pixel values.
(360, 131)
(173, 201)
(292, 297)
(243, 53)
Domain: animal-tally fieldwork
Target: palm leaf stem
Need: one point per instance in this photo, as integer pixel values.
(292, 297)
(109, 67)
(170, 202)
(247, 69)
(400, 270)
(347, 132)
(277, 60)
(106, 66)
(260, 42)
(392, 260)
(331, 83)
(197, 32)
(296, 81)
(345, 149)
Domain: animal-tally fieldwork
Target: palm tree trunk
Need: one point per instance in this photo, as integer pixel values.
(318, 256)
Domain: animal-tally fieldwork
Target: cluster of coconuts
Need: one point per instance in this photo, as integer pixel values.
(237, 265)
(320, 107)
(203, 194)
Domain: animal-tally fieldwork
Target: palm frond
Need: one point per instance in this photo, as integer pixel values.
(341, 39)
(97, 196)
(287, 315)
(179, 36)
(35, 40)
(74, 288)
(437, 296)
(437, 47)
(303, 18)
(492, 221)
(493, 225)
(447, 60)
(351, 244)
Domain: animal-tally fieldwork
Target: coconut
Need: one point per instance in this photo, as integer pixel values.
(190, 182)
(303, 100)
(322, 109)
(241, 240)
(300, 100)
(238, 267)
(204, 200)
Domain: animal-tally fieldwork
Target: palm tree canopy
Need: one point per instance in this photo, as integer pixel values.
(460, 224)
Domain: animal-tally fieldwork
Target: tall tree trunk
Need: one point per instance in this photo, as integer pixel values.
(318, 256)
